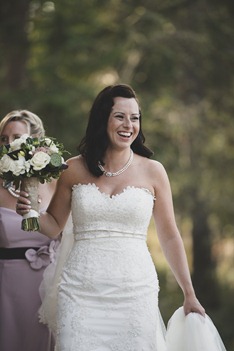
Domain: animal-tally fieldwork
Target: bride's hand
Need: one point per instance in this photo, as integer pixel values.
(23, 204)
(191, 304)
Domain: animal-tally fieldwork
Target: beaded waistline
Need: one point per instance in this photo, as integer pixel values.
(98, 234)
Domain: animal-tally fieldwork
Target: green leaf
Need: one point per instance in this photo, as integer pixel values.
(56, 160)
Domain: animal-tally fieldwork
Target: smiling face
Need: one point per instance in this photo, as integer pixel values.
(13, 130)
(123, 123)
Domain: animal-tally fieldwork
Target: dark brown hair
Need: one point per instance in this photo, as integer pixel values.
(93, 146)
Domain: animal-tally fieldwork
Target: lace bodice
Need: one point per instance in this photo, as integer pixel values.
(108, 292)
(95, 213)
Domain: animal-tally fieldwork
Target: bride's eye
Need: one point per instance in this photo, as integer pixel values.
(119, 117)
(135, 118)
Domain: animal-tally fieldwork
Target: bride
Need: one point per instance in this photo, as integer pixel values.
(107, 291)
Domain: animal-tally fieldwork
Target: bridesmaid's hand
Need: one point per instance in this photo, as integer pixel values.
(191, 304)
(23, 204)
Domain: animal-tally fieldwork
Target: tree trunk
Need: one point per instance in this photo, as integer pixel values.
(14, 20)
(203, 275)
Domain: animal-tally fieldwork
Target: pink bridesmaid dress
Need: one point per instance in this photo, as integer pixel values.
(23, 258)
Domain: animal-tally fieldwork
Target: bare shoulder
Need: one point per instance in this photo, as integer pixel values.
(152, 167)
(153, 172)
(74, 162)
(73, 174)
(159, 177)
(157, 169)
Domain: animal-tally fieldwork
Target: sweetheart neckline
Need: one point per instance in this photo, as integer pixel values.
(126, 188)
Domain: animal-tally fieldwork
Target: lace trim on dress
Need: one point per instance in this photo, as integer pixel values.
(128, 187)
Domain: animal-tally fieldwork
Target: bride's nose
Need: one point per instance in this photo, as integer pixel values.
(127, 122)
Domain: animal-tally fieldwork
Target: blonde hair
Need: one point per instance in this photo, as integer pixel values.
(34, 123)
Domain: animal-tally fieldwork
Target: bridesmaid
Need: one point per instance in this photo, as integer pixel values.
(23, 255)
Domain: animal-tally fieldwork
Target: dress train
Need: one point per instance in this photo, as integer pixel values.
(192, 333)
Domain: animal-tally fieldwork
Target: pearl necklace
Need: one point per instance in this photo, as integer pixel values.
(114, 174)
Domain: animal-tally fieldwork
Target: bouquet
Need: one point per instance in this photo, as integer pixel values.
(27, 161)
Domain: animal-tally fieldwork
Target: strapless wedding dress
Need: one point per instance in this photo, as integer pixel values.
(102, 295)
(108, 292)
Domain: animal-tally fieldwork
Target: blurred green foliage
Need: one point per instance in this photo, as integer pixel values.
(179, 57)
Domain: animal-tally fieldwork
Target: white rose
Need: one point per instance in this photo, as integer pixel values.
(53, 148)
(39, 160)
(6, 164)
(27, 166)
(19, 166)
(16, 144)
(48, 141)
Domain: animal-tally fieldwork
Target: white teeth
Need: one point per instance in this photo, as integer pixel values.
(125, 134)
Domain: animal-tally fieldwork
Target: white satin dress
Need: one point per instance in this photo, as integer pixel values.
(108, 292)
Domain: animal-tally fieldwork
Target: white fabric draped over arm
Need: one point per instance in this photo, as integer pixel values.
(49, 287)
